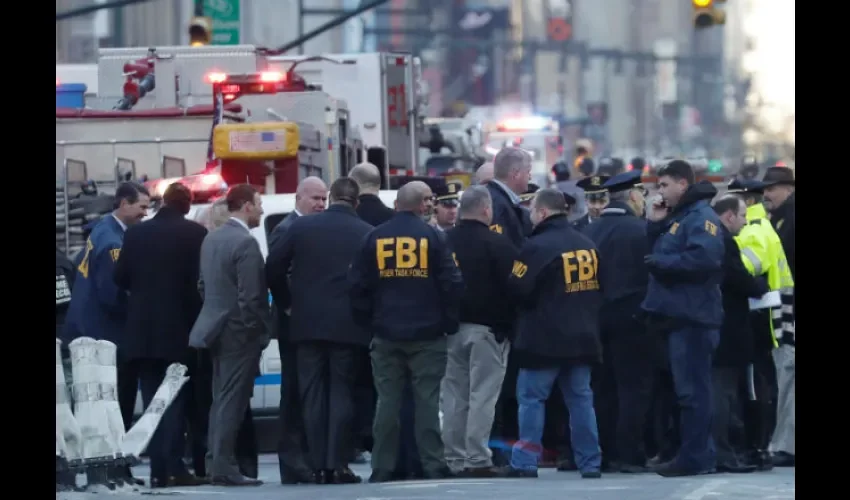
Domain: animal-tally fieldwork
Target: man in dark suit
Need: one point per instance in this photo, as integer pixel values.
(311, 196)
(234, 325)
(319, 250)
(736, 346)
(158, 266)
(370, 208)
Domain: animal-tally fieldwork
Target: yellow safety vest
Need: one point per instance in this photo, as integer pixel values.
(762, 254)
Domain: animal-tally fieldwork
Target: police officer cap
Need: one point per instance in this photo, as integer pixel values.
(569, 199)
(449, 193)
(593, 184)
(529, 193)
(623, 181)
(746, 186)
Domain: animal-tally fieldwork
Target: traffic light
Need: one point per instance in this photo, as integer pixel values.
(200, 31)
(706, 13)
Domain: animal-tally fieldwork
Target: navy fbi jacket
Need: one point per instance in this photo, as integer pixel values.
(556, 282)
(405, 285)
(686, 263)
(509, 218)
(98, 307)
(620, 236)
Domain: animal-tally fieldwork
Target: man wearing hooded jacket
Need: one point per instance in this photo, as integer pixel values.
(684, 300)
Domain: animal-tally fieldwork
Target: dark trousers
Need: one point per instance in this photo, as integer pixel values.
(727, 420)
(198, 394)
(604, 387)
(326, 377)
(128, 388)
(408, 464)
(292, 446)
(364, 403)
(758, 386)
(425, 361)
(665, 435)
(165, 449)
(635, 359)
(691, 352)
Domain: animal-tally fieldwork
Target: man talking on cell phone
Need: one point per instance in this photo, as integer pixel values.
(683, 300)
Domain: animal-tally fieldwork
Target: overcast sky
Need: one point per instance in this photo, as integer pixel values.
(772, 28)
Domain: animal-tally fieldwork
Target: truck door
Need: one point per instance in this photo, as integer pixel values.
(401, 116)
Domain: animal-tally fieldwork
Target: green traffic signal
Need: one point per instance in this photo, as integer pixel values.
(715, 166)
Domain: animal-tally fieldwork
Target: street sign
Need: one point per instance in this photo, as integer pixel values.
(225, 21)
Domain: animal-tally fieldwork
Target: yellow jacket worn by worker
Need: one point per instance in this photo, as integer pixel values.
(762, 253)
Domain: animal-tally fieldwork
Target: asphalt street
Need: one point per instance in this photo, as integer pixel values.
(552, 485)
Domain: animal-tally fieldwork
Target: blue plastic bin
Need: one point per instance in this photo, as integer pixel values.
(71, 95)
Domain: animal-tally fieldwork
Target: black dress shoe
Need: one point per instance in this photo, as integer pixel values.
(235, 481)
(735, 467)
(343, 476)
(479, 472)
(673, 470)
(634, 469)
(782, 459)
(186, 479)
(509, 471)
(159, 482)
(612, 466)
(567, 465)
(382, 476)
(591, 474)
(291, 475)
(441, 473)
(129, 479)
(320, 477)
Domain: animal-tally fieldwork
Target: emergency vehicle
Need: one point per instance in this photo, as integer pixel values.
(538, 135)
(167, 112)
(385, 96)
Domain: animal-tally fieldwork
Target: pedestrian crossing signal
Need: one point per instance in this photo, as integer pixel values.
(706, 13)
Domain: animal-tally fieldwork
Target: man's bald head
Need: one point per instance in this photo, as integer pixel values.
(484, 173)
(367, 176)
(414, 197)
(311, 196)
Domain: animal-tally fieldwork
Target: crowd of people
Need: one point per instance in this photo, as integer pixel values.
(433, 333)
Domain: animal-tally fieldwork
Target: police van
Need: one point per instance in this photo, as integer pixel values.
(266, 398)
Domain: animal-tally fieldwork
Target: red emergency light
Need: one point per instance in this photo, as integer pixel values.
(203, 186)
(233, 86)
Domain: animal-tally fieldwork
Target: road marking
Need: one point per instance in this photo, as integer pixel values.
(433, 484)
(707, 489)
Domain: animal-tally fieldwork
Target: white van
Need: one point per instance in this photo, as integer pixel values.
(266, 398)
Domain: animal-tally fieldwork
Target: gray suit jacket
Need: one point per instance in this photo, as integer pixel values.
(236, 298)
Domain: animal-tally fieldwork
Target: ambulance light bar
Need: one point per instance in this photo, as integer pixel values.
(529, 123)
(233, 86)
(203, 186)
